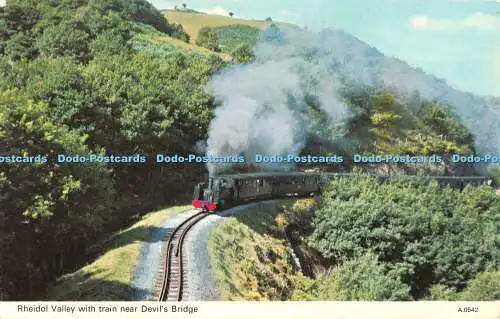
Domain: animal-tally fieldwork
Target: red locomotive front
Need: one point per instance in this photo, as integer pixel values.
(203, 204)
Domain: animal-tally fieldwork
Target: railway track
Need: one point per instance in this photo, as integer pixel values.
(172, 283)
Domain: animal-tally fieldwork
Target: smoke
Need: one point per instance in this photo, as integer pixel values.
(265, 105)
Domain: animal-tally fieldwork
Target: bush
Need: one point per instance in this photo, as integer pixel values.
(20, 46)
(299, 215)
(486, 286)
(209, 39)
(243, 53)
(363, 278)
(233, 36)
(441, 292)
(425, 233)
(64, 40)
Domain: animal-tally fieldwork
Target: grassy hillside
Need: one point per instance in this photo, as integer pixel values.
(233, 35)
(193, 22)
(163, 42)
(250, 258)
(109, 277)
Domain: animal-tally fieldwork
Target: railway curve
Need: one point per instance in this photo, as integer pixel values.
(172, 282)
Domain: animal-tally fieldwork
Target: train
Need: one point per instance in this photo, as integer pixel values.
(224, 191)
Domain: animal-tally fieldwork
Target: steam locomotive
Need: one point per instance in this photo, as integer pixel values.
(224, 191)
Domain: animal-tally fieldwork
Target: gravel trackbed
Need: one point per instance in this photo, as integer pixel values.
(201, 284)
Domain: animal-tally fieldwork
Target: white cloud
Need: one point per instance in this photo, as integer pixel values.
(481, 21)
(217, 10)
(424, 22)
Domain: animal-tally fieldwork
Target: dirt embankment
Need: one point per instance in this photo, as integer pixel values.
(312, 262)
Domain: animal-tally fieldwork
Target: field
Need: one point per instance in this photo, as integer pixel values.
(193, 22)
(233, 35)
(109, 277)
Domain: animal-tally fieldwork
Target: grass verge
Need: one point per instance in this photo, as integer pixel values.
(250, 258)
(109, 277)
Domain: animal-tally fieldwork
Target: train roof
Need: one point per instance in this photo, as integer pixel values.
(330, 174)
(278, 174)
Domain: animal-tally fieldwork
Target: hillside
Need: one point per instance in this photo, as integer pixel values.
(360, 63)
(363, 64)
(480, 114)
(193, 22)
(90, 77)
(115, 77)
(148, 37)
(110, 276)
(364, 242)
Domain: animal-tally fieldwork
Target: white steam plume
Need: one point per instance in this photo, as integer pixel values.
(263, 104)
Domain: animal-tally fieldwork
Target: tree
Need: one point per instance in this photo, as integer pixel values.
(144, 12)
(20, 18)
(231, 14)
(486, 286)
(363, 278)
(273, 34)
(20, 46)
(243, 53)
(208, 38)
(184, 5)
(177, 31)
(64, 40)
(413, 226)
(46, 208)
(269, 19)
(72, 84)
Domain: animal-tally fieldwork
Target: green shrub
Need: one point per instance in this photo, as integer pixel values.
(441, 292)
(363, 278)
(233, 36)
(243, 53)
(486, 286)
(424, 233)
(209, 39)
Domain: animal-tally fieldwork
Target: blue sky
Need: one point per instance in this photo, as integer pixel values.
(458, 40)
